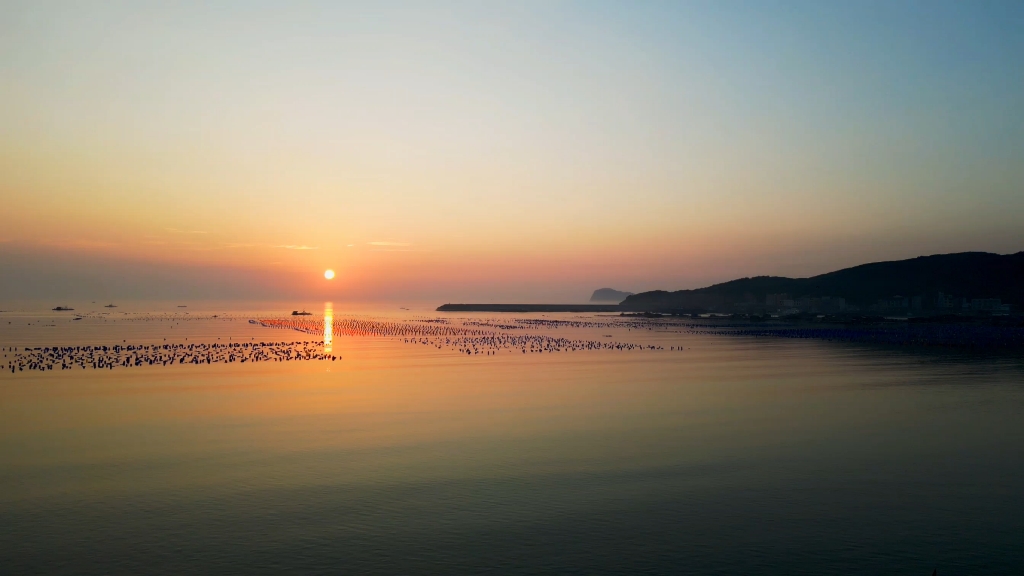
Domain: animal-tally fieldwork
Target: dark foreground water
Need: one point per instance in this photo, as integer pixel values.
(734, 456)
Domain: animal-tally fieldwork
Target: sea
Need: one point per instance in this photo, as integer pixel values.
(232, 439)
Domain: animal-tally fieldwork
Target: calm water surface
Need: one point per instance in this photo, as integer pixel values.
(733, 456)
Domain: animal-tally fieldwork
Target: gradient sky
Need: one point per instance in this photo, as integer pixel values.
(484, 151)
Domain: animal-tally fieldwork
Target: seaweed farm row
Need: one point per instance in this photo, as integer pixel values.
(133, 356)
(362, 327)
(444, 336)
(530, 343)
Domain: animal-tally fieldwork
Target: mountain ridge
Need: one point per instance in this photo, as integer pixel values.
(963, 274)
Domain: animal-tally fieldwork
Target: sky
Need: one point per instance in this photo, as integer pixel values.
(497, 151)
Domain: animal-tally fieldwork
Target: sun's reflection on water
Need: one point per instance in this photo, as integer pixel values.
(328, 326)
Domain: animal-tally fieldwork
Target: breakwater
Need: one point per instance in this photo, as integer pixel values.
(529, 308)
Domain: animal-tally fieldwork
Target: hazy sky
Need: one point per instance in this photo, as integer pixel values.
(489, 151)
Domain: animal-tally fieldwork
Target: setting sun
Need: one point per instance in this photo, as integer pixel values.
(329, 274)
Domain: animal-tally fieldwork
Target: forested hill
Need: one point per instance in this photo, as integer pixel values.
(967, 274)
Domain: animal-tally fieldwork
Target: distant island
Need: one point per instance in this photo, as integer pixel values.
(609, 295)
(967, 283)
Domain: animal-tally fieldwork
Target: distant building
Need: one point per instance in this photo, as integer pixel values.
(823, 305)
(987, 304)
(944, 300)
(895, 303)
(831, 305)
(953, 304)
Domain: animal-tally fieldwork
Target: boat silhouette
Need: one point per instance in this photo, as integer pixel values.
(303, 313)
(110, 306)
(62, 309)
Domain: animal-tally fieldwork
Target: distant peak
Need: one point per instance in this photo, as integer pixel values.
(609, 295)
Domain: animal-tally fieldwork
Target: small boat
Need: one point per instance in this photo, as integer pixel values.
(110, 306)
(303, 313)
(62, 309)
(182, 306)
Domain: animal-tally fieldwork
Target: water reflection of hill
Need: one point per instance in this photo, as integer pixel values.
(967, 341)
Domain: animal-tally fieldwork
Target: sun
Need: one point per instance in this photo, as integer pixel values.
(329, 274)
